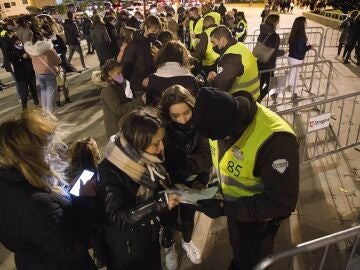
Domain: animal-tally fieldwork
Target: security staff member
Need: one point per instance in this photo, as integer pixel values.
(237, 68)
(195, 26)
(204, 52)
(241, 27)
(255, 154)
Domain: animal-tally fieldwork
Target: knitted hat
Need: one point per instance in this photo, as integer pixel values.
(216, 113)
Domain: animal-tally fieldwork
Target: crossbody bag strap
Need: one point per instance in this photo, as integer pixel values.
(267, 37)
(55, 73)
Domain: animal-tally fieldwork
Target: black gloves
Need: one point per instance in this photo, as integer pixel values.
(213, 208)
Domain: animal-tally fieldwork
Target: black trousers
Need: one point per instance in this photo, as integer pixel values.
(181, 218)
(264, 84)
(24, 87)
(250, 242)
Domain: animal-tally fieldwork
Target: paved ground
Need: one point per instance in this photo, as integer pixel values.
(328, 199)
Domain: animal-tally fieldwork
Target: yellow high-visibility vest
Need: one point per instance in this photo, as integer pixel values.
(249, 81)
(210, 56)
(235, 169)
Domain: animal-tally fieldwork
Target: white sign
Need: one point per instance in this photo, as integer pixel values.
(319, 122)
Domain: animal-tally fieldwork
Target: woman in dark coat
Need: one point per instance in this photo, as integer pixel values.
(188, 161)
(101, 40)
(110, 25)
(173, 67)
(40, 221)
(24, 72)
(348, 36)
(131, 176)
(270, 39)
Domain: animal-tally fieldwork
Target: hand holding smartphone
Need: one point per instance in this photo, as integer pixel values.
(83, 183)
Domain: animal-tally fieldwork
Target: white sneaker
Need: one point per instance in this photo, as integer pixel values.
(192, 252)
(171, 258)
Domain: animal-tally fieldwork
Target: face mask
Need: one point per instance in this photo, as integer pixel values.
(19, 46)
(152, 37)
(183, 127)
(217, 49)
(113, 23)
(119, 79)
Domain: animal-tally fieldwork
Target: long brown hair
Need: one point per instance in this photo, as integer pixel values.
(298, 29)
(174, 95)
(174, 51)
(30, 144)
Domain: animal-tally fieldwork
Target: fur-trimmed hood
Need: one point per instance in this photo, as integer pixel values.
(39, 48)
(96, 79)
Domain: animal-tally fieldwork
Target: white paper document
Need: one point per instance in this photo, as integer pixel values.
(191, 196)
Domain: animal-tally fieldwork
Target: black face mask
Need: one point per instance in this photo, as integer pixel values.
(183, 127)
(152, 37)
(216, 49)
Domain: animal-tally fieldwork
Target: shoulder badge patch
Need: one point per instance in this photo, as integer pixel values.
(219, 70)
(238, 154)
(280, 165)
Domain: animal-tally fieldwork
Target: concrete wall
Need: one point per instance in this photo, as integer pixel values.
(41, 3)
(9, 9)
(326, 21)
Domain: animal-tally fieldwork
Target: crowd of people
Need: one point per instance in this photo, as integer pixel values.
(181, 103)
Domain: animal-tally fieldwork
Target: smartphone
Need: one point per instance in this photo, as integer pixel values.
(84, 177)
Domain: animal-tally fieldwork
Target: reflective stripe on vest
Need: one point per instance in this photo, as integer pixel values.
(249, 81)
(235, 170)
(210, 56)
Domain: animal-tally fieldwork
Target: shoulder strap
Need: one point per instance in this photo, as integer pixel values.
(267, 37)
(55, 73)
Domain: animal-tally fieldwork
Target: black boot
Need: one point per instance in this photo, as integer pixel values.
(58, 103)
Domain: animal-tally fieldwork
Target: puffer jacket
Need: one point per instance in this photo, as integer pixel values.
(138, 62)
(298, 47)
(44, 58)
(44, 230)
(129, 228)
(272, 40)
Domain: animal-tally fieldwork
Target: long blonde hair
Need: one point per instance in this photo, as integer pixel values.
(31, 144)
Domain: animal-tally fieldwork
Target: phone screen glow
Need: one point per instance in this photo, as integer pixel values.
(84, 177)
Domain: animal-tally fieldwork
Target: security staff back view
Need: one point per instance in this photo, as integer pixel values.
(255, 154)
(204, 52)
(237, 67)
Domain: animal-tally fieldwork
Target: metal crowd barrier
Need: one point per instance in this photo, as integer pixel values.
(288, 30)
(314, 38)
(325, 127)
(313, 83)
(307, 247)
(331, 39)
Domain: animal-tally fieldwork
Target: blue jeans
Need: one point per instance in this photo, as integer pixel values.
(48, 91)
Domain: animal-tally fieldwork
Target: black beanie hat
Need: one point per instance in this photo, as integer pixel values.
(216, 113)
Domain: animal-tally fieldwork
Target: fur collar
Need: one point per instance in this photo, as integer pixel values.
(172, 69)
(38, 48)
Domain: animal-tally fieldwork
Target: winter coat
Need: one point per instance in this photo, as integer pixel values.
(6, 43)
(348, 34)
(187, 153)
(116, 105)
(298, 47)
(72, 34)
(44, 58)
(168, 75)
(128, 234)
(112, 34)
(60, 48)
(23, 68)
(133, 23)
(44, 230)
(138, 61)
(86, 26)
(272, 41)
(102, 42)
(222, 10)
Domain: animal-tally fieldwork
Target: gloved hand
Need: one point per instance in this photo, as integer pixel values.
(213, 208)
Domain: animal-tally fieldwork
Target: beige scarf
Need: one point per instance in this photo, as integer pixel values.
(143, 168)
